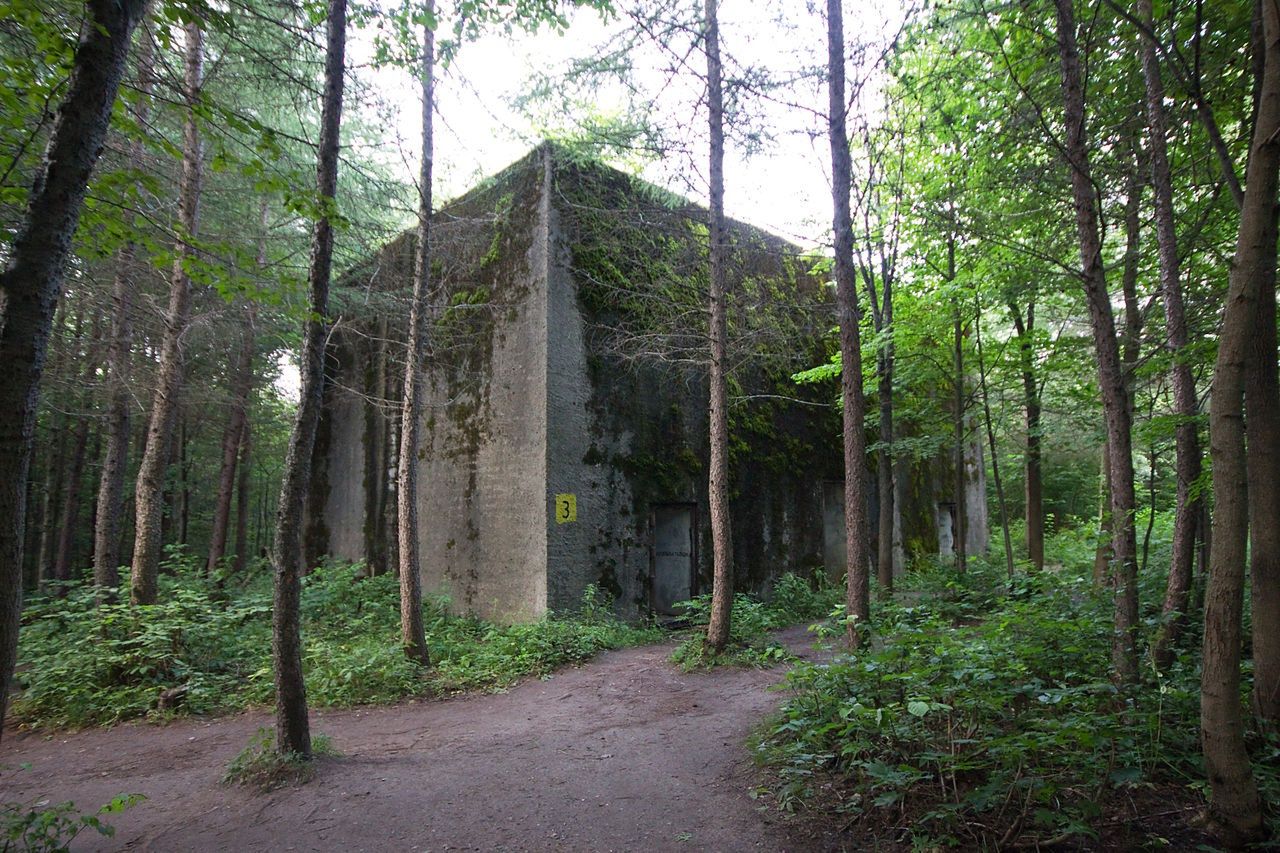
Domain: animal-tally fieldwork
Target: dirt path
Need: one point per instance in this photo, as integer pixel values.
(624, 753)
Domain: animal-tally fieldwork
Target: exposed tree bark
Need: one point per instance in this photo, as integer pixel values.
(857, 545)
(1234, 802)
(1262, 411)
(33, 275)
(1185, 405)
(242, 501)
(412, 637)
(718, 476)
(1262, 406)
(1032, 453)
(1111, 378)
(293, 731)
(149, 491)
(109, 520)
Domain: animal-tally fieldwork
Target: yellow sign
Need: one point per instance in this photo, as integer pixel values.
(566, 508)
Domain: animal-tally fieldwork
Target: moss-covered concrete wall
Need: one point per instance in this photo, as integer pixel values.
(568, 358)
(484, 434)
(631, 320)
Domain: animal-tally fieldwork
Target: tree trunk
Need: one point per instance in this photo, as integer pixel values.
(184, 482)
(54, 488)
(1032, 454)
(378, 424)
(1262, 411)
(991, 437)
(1185, 405)
(957, 424)
(32, 280)
(293, 733)
(1262, 408)
(149, 492)
(110, 516)
(1111, 379)
(884, 473)
(242, 502)
(857, 546)
(242, 387)
(1103, 553)
(412, 637)
(62, 570)
(110, 520)
(1234, 802)
(718, 479)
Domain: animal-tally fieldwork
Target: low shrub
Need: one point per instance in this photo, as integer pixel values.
(261, 766)
(793, 600)
(204, 650)
(39, 826)
(985, 716)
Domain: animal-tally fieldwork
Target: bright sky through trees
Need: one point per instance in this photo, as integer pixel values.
(782, 187)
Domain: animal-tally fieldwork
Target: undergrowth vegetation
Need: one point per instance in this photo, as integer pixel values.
(984, 716)
(41, 827)
(260, 765)
(206, 648)
(792, 600)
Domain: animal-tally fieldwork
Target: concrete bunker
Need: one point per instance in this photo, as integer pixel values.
(564, 438)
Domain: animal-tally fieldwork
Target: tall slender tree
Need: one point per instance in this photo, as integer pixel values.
(33, 274)
(237, 427)
(1032, 454)
(70, 526)
(857, 544)
(1185, 404)
(149, 492)
(110, 516)
(293, 729)
(1111, 378)
(718, 480)
(412, 636)
(1233, 794)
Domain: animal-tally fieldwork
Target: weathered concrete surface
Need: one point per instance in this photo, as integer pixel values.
(568, 361)
(484, 434)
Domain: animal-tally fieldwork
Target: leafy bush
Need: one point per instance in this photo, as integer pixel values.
(793, 600)
(986, 714)
(48, 828)
(203, 650)
(259, 765)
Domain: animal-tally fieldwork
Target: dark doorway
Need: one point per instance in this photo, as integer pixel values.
(674, 556)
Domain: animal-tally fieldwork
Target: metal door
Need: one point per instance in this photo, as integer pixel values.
(673, 556)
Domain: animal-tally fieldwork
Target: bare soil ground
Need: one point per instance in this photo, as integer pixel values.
(624, 753)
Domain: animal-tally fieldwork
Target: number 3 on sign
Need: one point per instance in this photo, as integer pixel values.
(566, 508)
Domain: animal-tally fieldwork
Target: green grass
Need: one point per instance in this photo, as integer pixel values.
(82, 664)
